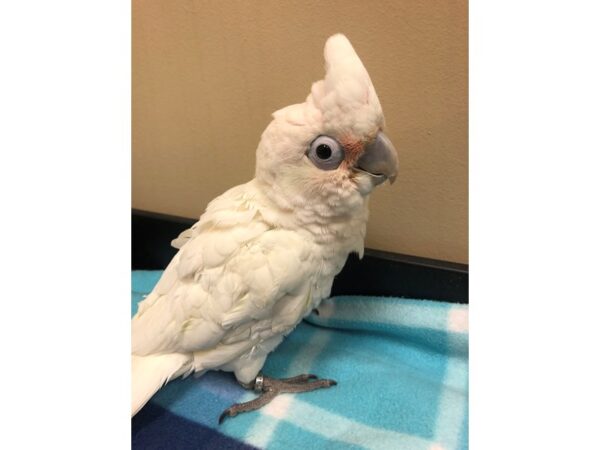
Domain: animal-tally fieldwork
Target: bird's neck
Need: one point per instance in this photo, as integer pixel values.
(338, 225)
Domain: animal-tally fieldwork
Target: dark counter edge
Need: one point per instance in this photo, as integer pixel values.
(378, 273)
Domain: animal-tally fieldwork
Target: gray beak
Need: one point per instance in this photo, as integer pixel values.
(380, 159)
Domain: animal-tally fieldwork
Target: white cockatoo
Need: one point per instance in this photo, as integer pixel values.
(264, 254)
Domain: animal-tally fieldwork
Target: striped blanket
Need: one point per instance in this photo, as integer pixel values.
(401, 367)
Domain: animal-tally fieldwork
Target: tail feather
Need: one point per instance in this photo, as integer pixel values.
(150, 373)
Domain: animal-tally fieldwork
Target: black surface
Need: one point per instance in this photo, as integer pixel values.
(390, 274)
(378, 273)
(151, 236)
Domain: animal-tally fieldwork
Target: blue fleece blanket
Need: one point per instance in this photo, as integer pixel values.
(401, 367)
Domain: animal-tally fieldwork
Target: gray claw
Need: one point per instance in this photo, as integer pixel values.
(271, 387)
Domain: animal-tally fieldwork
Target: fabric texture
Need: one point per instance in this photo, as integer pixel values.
(401, 367)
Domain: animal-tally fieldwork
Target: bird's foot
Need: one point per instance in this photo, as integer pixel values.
(271, 387)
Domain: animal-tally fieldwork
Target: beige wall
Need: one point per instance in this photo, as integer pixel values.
(208, 74)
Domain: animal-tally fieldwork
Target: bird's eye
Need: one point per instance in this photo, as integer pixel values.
(326, 153)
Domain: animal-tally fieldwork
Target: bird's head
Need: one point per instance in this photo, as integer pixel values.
(328, 153)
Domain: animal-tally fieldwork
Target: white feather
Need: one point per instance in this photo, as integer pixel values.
(264, 253)
(150, 373)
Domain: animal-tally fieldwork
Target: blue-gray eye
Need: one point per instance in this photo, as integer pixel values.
(326, 153)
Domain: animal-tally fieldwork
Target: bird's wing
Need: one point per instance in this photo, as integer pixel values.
(226, 283)
(236, 207)
(183, 238)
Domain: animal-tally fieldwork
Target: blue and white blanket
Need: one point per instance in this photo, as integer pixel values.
(401, 367)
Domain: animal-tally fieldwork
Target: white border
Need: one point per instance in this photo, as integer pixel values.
(65, 183)
(534, 228)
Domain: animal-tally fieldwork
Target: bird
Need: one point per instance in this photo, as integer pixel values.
(264, 254)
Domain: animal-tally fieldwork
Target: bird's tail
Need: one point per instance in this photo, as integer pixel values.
(150, 373)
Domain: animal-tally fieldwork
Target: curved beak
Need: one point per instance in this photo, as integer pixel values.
(380, 159)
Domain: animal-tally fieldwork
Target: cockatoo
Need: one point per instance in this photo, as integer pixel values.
(265, 253)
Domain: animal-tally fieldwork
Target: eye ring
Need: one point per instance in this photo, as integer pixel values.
(326, 153)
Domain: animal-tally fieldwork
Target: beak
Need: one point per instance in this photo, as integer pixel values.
(380, 159)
